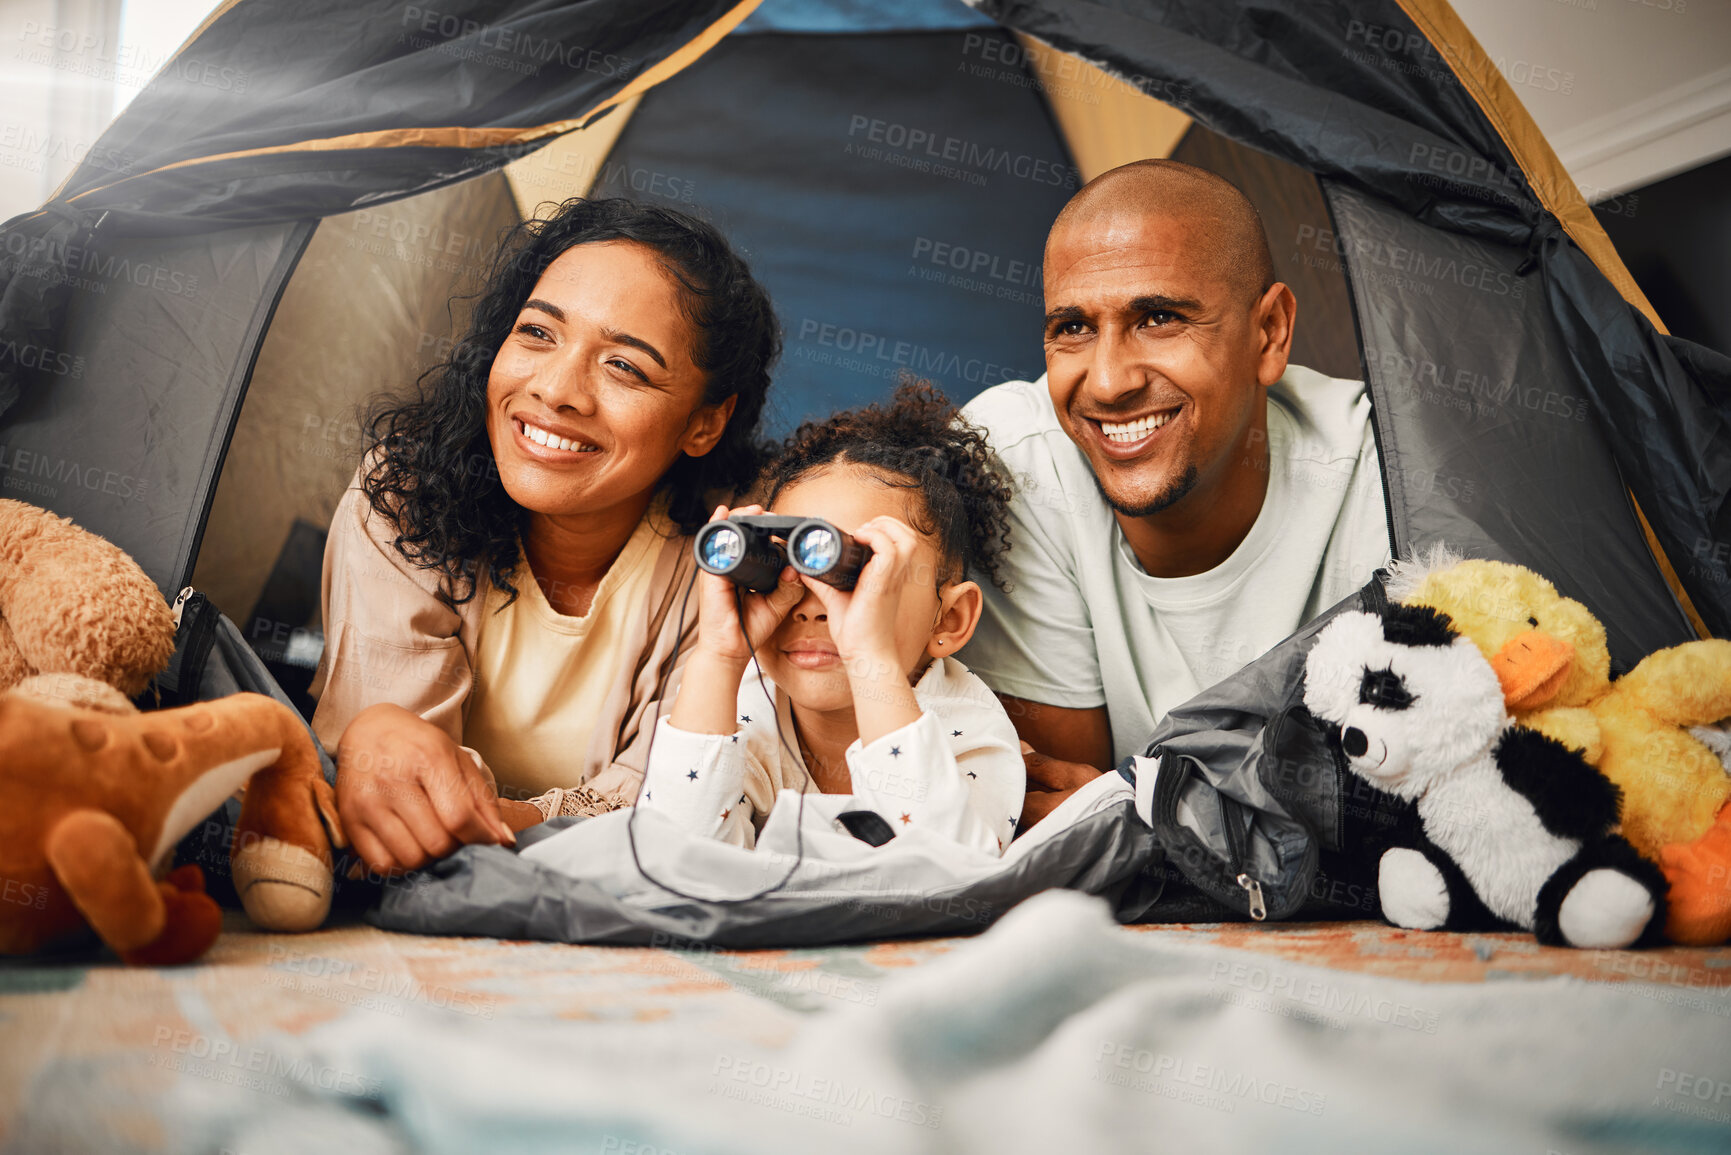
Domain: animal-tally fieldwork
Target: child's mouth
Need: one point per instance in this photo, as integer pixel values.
(811, 655)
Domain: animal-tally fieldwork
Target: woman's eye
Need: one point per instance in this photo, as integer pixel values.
(530, 329)
(628, 367)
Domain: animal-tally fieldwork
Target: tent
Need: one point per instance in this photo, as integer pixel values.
(890, 166)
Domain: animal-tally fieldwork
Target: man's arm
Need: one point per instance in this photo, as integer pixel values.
(1062, 733)
(1064, 749)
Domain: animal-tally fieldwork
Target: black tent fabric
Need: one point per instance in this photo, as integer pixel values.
(132, 305)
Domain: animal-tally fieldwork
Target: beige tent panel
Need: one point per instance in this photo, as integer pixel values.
(1105, 121)
(570, 166)
(367, 310)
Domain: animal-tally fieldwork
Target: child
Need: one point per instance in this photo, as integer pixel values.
(856, 692)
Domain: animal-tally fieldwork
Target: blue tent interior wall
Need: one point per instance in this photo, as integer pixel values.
(894, 204)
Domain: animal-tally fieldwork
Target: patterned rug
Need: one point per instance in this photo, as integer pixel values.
(90, 1049)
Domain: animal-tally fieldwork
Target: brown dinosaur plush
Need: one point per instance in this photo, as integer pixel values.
(79, 621)
(92, 805)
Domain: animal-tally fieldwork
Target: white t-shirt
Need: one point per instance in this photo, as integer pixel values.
(1085, 625)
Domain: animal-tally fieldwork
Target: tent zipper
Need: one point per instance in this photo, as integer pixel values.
(1252, 888)
(180, 601)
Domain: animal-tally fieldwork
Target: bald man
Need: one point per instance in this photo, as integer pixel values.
(1186, 499)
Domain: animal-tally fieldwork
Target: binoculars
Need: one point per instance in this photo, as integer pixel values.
(751, 549)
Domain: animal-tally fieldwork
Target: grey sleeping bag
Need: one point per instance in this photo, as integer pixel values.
(1238, 784)
(488, 890)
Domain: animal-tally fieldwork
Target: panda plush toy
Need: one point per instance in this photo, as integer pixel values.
(1512, 828)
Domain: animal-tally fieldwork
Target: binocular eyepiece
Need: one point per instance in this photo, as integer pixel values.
(751, 549)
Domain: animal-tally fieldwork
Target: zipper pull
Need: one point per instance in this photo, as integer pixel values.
(180, 600)
(1258, 909)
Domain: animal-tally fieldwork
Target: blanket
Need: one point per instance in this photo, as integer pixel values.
(1055, 1030)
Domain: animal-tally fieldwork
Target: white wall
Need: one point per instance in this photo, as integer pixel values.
(67, 67)
(1627, 91)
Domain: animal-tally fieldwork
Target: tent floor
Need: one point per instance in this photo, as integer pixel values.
(119, 1043)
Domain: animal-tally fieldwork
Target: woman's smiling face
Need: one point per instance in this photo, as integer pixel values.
(594, 395)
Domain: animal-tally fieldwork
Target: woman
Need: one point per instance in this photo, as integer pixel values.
(502, 581)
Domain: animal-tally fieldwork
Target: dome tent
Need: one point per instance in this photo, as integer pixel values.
(1523, 389)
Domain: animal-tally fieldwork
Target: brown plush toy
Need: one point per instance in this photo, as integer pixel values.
(79, 621)
(94, 795)
(94, 803)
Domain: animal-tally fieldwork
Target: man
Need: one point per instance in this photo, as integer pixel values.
(1185, 499)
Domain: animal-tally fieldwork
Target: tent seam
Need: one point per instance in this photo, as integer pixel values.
(664, 69)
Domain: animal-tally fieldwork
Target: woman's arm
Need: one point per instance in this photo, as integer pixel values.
(391, 687)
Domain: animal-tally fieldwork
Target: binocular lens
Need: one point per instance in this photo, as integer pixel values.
(722, 548)
(816, 550)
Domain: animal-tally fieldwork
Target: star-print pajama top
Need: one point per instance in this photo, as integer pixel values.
(956, 771)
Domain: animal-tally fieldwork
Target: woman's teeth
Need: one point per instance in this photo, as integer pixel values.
(1137, 429)
(551, 441)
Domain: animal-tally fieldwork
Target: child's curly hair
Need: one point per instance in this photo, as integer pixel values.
(922, 440)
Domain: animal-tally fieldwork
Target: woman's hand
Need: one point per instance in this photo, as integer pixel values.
(722, 605)
(408, 794)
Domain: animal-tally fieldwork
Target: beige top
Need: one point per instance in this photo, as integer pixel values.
(539, 673)
(389, 637)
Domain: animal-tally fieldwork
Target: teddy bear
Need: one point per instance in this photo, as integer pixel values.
(87, 782)
(1649, 731)
(79, 621)
(1511, 828)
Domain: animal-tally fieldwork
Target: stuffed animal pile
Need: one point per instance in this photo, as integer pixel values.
(1651, 731)
(94, 795)
(1512, 827)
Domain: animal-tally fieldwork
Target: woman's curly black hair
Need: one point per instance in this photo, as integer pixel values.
(430, 466)
(922, 443)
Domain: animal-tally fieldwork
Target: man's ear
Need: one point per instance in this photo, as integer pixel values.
(1273, 317)
(958, 616)
(707, 424)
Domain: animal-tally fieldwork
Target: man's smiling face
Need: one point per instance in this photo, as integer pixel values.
(1155, 351)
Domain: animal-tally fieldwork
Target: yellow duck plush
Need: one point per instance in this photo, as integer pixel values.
(1551, 657)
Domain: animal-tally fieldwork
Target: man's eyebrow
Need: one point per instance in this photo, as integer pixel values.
(1160, 303)
(1148, 303)
(1065, 314)
(635, 343)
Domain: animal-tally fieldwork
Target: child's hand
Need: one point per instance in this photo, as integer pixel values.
(718, 630)
(862, 622)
